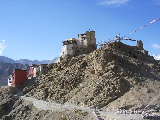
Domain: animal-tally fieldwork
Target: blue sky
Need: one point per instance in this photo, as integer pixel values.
(35, 29)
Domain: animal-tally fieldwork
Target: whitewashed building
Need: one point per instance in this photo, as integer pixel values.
(10, 80)
(36, 70)
(85, 43)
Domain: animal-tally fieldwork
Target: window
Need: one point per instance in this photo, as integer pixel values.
(10, 81)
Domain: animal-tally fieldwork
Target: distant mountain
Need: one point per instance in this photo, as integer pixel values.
(30, 62)
(6, 69)
(26, 61)
(6, 59)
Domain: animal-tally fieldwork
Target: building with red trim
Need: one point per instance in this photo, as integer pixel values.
(34, 69)
(18, 78)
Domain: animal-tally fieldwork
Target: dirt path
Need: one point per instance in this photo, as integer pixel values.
(98, 115)
(44, 105)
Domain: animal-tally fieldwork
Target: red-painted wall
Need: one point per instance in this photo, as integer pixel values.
(19, 77)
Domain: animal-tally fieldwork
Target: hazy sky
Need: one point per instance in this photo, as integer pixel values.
(35, 29)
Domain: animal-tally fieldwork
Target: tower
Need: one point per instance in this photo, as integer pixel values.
(87, 39)
(140, 45)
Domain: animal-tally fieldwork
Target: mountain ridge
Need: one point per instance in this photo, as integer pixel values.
(26, 61)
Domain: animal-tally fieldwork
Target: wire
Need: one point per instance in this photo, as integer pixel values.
(143, 27)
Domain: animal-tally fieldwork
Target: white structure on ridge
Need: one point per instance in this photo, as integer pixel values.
(85, 43)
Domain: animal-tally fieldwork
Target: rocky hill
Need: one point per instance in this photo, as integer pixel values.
(101, 77)
(115, 75)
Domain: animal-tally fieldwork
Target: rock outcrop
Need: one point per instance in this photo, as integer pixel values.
(6, 101)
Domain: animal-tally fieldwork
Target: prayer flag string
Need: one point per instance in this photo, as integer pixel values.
(143, 27)
(122, 38)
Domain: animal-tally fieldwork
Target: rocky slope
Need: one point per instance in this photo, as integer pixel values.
(101, 77)
(116, 75)
(6, 101)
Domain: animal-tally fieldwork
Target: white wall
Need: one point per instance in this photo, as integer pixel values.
(10, 80)
(85, 44)
(67, 50)
(36, 69)
(70, 49)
